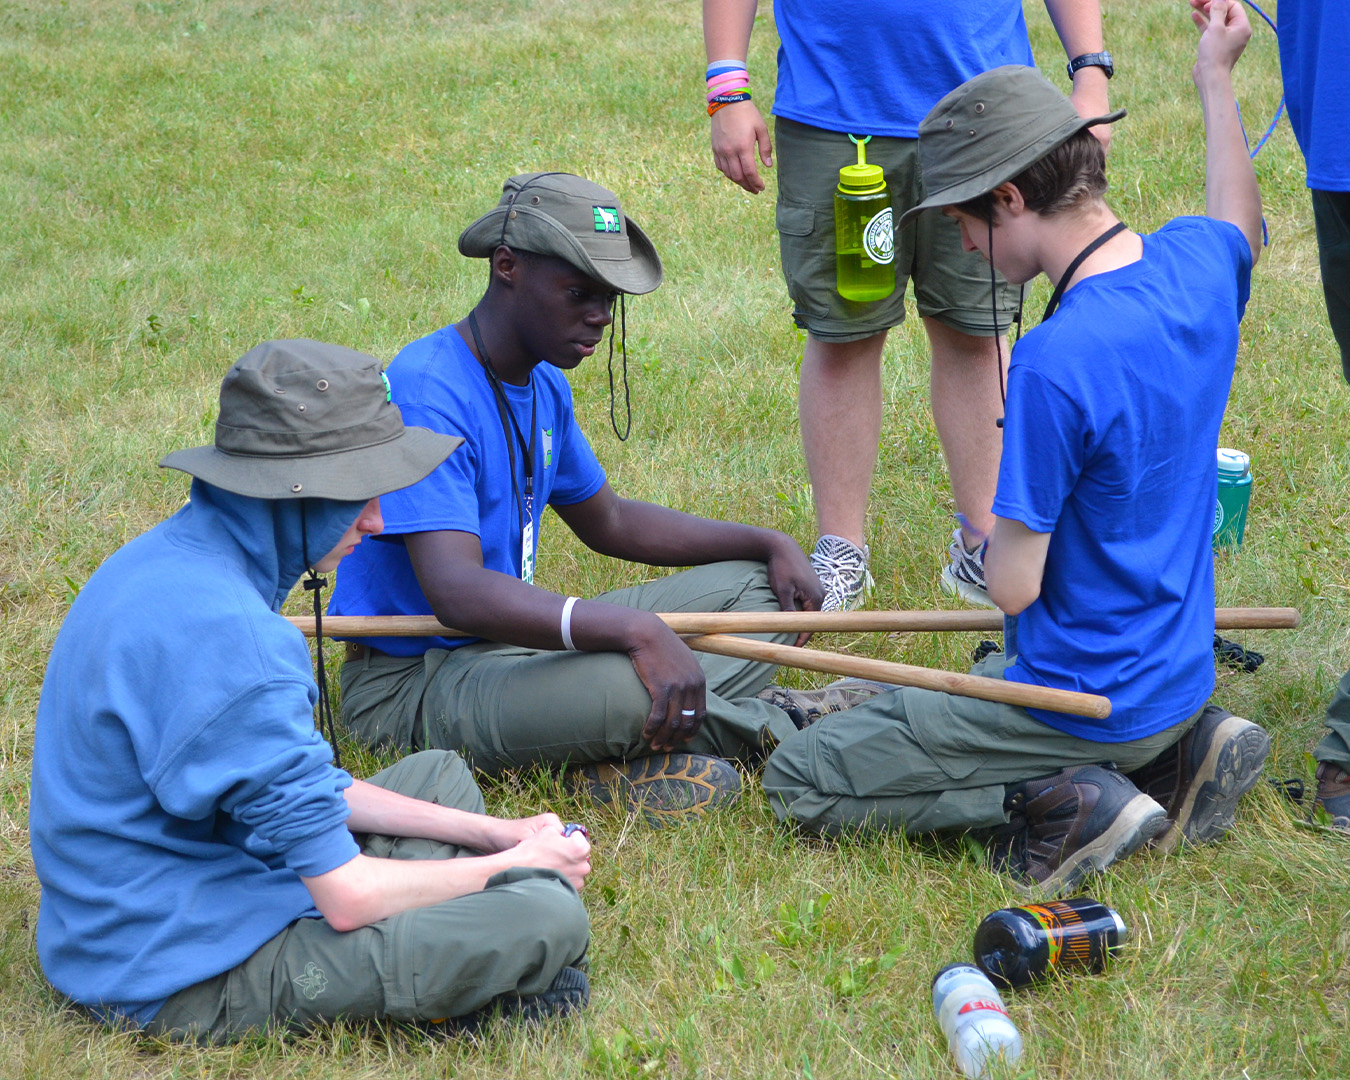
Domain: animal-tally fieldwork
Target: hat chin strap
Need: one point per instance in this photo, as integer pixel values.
(315, 584)
(623, 350)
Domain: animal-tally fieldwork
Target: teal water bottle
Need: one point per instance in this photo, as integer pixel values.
(864, 239)
(1235, 492)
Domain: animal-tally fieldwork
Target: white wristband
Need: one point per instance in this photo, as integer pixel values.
(567, 624)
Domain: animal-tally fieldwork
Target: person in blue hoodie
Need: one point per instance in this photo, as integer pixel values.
(206, 869)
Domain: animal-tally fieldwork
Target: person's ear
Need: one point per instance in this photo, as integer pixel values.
(505, 266)
(1008, 199)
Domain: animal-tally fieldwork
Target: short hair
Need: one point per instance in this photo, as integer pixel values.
(1068, 176)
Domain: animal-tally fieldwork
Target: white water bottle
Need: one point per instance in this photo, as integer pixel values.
(973, 1018)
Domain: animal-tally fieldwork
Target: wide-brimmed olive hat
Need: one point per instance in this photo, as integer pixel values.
(988, 130)
(556, 213)
(301, 419)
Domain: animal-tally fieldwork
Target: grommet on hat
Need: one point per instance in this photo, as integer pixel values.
(572, 219)
(1011, 117)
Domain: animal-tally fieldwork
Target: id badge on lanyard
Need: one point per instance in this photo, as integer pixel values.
(527, 543)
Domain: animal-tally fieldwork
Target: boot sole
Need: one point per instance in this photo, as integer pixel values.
(664, 789)
(1237, 753)
(1139, 821)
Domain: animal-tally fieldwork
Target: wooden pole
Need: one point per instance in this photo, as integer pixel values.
(779, 622)
(951, 682)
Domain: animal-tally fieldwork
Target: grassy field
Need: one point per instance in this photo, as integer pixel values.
(181, 179)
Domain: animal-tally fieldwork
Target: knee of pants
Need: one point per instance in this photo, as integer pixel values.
(436, 776)
(539, 907)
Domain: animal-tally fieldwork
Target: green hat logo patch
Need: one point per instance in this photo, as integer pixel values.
(606, 219)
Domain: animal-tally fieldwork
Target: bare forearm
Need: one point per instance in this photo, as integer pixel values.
(726, 28)
(1078, 24)
(1231, 191)
(659, 536)
(366, 890)
(377, 810)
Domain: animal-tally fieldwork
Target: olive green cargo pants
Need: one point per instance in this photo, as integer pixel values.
(925, 761)
(424, 964)
(505, 707)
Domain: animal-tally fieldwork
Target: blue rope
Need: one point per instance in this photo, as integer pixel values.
(1279, 112)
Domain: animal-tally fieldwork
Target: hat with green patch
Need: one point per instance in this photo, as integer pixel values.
(988, 130)
(557, 213)
(301, 419)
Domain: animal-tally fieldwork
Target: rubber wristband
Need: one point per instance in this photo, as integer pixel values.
(566, 627)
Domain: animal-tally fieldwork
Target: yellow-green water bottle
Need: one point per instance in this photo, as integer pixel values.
(864, 238)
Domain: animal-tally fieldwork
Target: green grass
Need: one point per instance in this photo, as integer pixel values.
(182, 179)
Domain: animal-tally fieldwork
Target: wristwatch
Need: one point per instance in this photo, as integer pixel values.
(1093, 59)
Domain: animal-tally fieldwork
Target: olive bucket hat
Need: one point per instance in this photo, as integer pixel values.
(301, 419)
(557, 213)
(990, 129)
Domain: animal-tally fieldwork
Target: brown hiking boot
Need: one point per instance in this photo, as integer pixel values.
(805, 707)
(1072, 824)
(664, 788)
(1333, 797)
(1200, 779)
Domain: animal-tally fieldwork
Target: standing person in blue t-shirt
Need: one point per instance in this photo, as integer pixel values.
(1100, 552)
(1315, 61)
(875, 69)
(545, 678)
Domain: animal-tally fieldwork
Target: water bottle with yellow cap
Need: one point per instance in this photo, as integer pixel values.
(864, 239)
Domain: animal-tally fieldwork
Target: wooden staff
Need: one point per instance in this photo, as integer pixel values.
(863, 667)
(779, 622)
(1025, 695)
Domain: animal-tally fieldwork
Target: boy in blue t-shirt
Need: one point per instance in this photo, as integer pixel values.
(536, 677)
(1100, 553)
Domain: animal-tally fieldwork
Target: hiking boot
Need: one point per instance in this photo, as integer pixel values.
(842, 568)
(963, 576)
(1069, 825)
(805, 707)
(1200, 779)
(567, 994)
(664, 788)
(1333, 796)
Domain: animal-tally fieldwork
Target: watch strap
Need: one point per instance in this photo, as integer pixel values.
(1102, 60)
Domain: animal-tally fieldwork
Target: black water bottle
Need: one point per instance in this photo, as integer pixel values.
(1018, 946)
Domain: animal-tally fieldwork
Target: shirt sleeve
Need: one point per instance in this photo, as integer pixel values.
(261, 761)
(447, 498)
(1045, 445)
(579, 472)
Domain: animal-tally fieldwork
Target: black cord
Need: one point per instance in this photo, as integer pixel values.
(623, 349)
(316, 584)
(993, 313)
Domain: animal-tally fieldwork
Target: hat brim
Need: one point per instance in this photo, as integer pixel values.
(1001, 172)
(638, 274)
(353, 475)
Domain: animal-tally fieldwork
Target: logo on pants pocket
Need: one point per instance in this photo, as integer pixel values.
(313, 982)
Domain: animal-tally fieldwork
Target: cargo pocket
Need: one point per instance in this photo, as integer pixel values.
(808, 268)
(959, 739)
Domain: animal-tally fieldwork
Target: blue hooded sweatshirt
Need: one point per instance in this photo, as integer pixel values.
(180, 789)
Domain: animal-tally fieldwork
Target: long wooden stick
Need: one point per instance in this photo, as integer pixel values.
(1035, 697)
(951, 682)
(779, 622)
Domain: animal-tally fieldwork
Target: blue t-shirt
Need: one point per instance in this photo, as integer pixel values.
(877, 68)
(1112, 423)
(1315, 64)
(438, 384)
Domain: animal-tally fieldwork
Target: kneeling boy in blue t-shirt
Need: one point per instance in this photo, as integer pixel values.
(1100, 555)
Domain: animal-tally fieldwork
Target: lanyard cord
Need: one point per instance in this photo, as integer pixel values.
(1057, 295)
(1050, 308)
(525, 504)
